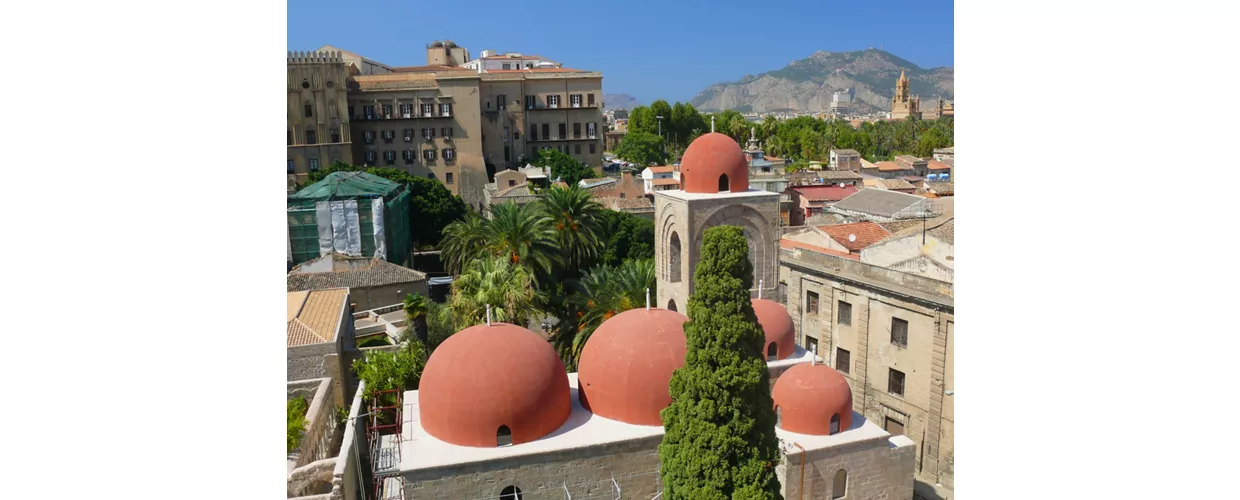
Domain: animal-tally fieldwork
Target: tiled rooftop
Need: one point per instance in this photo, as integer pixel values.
(314, 316)
(865, 234)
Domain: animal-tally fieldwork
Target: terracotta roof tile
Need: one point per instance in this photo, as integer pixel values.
(937, 165)
(666, 181)
(662, 169)
(866, 233)
(791, 245)
(890, 166)
(316, 318)
(897, 184)
(824, 192)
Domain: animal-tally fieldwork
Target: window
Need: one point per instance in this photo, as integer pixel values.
(563, 131)
(408, 135)
(592, 148)
(311, 137)
(673, 271)
(314, 164)
(432, 176)
(723, 183)
(428, 110)
(590, 130)
(516, 136)
(429, 155)
(510, 492)
(387, 110)
(575, 100)
(506, 66)
(428, 133)
(388, 135)
(622, 196)
(290, 166)
(447, 178)
(842, 360)
(290, 137)
(895, 382)
(590, 100)
(533, 132)
(406, 111)
(576, 149)
(447, 133)
(389, 157)
(305, 84)
(530, 101)
(843, 313)
(772, 352)
(370, 136)
(576, 131)
(309, 108)
(506, 153)
(512, 182)
(546, 130)
(834, 426)
(811, 345)
(899, 332)
(839, 487)
(368, 111)
(501, 101)
(408, 155)
(503, 437)
(335, 134)
(893, 426)
(445, 109)
(553, 101)
(449, 154)
(811, 302)
(370, 157)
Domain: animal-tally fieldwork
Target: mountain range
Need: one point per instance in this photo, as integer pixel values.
(619, 101)
(806, 85)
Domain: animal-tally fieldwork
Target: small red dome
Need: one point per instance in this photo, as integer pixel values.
(707, 159)
(485, 377)
(807, 397)
(627, 365)
(777, 325)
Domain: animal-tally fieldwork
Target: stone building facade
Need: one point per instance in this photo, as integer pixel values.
(890, 334)
(318, 126)
(904, 105)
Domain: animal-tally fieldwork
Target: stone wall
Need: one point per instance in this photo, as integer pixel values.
(320, 432)
(876, 469)
(306, 361)
(587, 472)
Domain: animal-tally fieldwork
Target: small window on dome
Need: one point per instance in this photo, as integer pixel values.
(772, 352)
(723, 183)
(504, 438)
(671, 305)
(835, 424)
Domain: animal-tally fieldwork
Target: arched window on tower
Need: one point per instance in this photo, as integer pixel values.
(835, 424)
(510, 493)
(839, 487)
(503, 437)
(723, 183)
(673, 259)
(772, 352)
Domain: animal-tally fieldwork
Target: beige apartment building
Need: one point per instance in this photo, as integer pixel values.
(318, 124)
(461, 123)
(890, 332)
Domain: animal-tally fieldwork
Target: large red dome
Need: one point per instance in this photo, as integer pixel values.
(485, 377)
(809, 396)
(707, 159)
(627, 364)
(777, 326)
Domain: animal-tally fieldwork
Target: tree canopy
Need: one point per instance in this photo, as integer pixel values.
(641, 148)
(719, 439)
(563, 166)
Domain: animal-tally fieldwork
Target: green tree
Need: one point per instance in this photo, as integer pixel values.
(497, 281)
(523, 235)
(576, 220)
(661, 108)
(719, 439)
(602, 293)
(463, 240)
(563, 166)
(641, 119)
(432, 209)
(641, 148)
(415, 306)
(296, 408)
(628, 237)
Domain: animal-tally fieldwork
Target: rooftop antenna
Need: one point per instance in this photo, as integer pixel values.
(488, 314)
(647, 298)
(759, 289)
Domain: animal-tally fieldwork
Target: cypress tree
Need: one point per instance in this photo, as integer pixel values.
(719, 440)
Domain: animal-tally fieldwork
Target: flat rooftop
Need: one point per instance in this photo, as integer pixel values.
(421, 451)
(681, 194)
(861, 430)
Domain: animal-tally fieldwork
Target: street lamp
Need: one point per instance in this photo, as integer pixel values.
(660, 118)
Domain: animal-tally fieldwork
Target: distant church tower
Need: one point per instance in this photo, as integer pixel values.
(715, 176)
(903, 106)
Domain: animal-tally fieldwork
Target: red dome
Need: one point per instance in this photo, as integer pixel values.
(484, 377)
(777, 325)
(627, 364)
(808, 396)
(709, 157)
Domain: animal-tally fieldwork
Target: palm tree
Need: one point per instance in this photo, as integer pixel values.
(463, 240)
(576, 219)
(497, 281)
(522, 234)
(415, 310)
(602, 293)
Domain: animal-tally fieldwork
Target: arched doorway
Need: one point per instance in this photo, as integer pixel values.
(772, 352)
(510, 493)
(673, 259)
(671, 305)
(724, 186)
(503, 437)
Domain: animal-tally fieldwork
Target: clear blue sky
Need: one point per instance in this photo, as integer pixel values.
(669, 49)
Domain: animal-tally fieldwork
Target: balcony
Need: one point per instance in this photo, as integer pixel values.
(399, 116)
(562, 108)
(560, 139)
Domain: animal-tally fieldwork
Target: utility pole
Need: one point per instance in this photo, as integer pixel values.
(660, 118)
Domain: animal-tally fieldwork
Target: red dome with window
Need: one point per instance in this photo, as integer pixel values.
(813, 399)
(777, 326)
(714, 163)
(627, 364)
(493, 384)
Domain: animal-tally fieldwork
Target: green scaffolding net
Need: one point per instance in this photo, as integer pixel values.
(303, 221)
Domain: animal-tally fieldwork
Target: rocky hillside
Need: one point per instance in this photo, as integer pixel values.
(807, 84)
(619, 101)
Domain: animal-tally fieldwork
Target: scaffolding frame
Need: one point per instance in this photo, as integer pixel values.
(384, 441)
